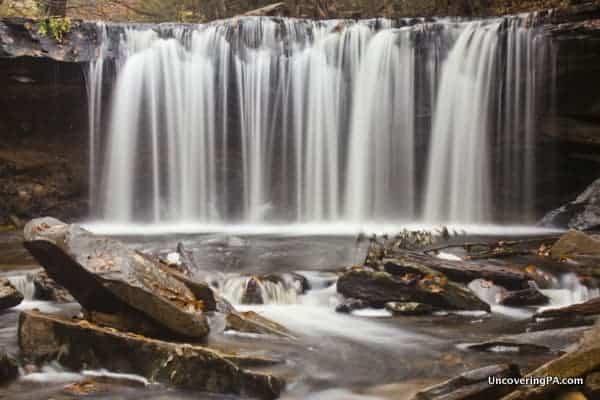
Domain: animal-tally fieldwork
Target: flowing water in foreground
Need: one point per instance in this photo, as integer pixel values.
(336, 356)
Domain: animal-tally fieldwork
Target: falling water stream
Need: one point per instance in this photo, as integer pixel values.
(323, 128)
(259, 120)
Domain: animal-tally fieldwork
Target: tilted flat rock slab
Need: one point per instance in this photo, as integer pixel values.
(105, 275)
(78, 344)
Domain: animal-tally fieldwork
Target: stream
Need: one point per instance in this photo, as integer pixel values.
(366, 355)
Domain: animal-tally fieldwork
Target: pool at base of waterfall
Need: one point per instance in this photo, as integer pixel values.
(366, 354)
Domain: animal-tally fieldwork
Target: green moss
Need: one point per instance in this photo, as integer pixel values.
(54, 27)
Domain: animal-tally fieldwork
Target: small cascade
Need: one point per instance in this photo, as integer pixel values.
(570, 291)
(252, 290)
(269, 120)
(24, 285)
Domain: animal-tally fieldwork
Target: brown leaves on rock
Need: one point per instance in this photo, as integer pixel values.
(83, 388)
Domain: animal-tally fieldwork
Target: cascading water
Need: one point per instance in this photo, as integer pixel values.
(273, 120)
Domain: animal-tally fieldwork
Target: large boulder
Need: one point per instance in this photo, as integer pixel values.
(423, 286)
(80, 344)
(106, 276)
(9, 296)
(582, 213)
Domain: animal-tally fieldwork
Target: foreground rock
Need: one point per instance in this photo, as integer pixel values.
(472, 385)
(9, 369)
(409, 309)
(581, 361)
(576, 243)
(79, 344)
(251, 322)
(47, 290)
(463, 271)
(9, 296)
(106, 276)
(347, 306)
(417, 286)
(548, 341)
(582, 213)
(526, 297)
(588, 308)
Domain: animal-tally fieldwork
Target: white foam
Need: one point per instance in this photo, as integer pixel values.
(303, 229)
(372, 313)
(103, 373)
(52, 373)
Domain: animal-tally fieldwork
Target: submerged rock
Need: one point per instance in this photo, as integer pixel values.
(9, 295)
(409, 308)
(81, 344)
(526, 297)
(425, 286)
(251, 322)
(106, 276)
(9, 369)
(588, 308)
(582, 213)
(472, 385)
(349, 305)
(252, 292)
(47, 290)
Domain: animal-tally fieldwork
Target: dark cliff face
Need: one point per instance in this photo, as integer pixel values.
(44, 116)
(43, 120)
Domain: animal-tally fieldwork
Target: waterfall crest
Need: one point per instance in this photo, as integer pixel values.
(260, 120)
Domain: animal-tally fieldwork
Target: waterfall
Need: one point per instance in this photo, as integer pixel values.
(381, 154)
(474, 84)
(94, 82)
(266, 120)
(458, 183)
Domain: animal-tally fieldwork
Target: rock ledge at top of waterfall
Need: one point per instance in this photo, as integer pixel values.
(104, 275)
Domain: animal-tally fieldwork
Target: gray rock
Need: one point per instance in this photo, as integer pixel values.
(9, 296)
(409, 308)
(47, 290)
(472, 385)
(80, 344)
(582, 213)
(106, 276)
(349, 305)
(526, 297)
(432, 288)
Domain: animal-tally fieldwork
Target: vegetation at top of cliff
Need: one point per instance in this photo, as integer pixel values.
(205, 10)
(54, 27)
